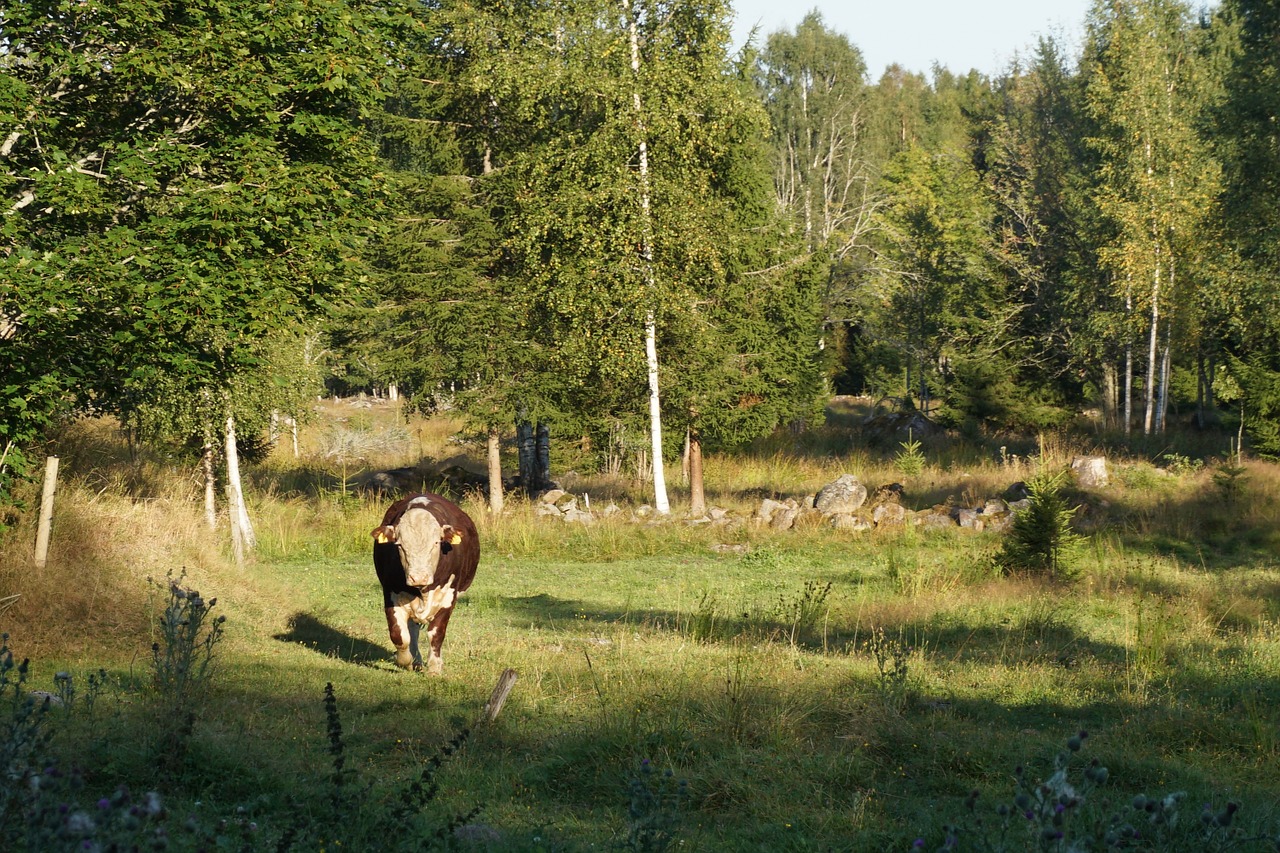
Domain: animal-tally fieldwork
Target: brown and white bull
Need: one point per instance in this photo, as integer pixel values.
(425, 553)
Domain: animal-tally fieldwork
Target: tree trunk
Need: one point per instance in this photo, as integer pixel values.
(526, 456)
(1110, 396)
(1128, 390)
(697, 491)
(1153, 340)
(542, 455)
(1162, 407)
(660, 502)
(684, 457)
(496, 502)
(242, 537)
(1200, 389)
(207, 468)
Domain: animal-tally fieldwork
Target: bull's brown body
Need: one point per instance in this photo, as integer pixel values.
(417, 587)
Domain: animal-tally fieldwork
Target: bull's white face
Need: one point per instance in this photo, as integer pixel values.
(418, 537)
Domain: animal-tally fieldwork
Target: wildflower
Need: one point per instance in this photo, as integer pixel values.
(104, 804)
(80, 823)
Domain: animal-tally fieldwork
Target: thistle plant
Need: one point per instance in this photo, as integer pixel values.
(1061, 815)
(71, 699)
(893, 666)
(350, 825)
(656, 810)
(24, 734)
(800, 614)
(182, 665)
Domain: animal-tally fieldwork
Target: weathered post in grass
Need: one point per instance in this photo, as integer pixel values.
(46, 511)
(501, 690)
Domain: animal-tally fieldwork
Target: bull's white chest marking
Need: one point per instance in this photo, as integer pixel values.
(425, 608)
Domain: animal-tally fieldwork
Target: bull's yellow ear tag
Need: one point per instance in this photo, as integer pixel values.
(457, 537)
(381, 538)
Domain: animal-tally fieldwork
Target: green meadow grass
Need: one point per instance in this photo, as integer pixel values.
(751, 676)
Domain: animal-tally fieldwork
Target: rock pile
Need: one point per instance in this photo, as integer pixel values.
(846, 504)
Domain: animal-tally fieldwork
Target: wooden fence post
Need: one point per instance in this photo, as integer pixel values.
(46, 511)
(506, 681)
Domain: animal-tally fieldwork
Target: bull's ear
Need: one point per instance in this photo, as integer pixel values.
(450, 536)
(384, 534)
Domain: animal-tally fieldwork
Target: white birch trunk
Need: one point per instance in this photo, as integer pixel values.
(1128, 362)
(1162, 406)
(242, 537)
(207, 469)
(660, 502)
(1153, 341)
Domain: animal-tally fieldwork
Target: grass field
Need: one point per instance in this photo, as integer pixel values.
(820, 691)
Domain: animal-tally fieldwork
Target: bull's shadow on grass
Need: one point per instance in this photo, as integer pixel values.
(308, 630)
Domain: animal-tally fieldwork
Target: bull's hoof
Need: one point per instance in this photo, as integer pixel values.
(417, 666)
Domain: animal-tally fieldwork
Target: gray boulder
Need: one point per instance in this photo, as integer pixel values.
(843, 496)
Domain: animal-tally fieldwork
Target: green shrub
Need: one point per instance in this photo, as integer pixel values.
(1041, 541)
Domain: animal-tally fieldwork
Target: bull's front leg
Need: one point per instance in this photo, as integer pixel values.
(435, 635)
(404, 636)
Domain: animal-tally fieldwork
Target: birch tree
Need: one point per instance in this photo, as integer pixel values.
(1145, 90)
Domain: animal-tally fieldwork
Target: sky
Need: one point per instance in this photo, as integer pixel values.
(959, 34)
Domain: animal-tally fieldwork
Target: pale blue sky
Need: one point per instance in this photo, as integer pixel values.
(959, 34)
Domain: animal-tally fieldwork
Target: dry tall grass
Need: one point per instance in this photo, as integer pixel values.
(118, 521)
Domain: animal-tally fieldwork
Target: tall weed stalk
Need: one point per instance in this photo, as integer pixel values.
(182, 666)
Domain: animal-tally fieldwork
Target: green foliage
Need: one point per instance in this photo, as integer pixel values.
(1041, 541)
(942, 271)
(1260, 389)
(183, 185)
(351, 822)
